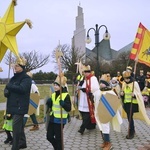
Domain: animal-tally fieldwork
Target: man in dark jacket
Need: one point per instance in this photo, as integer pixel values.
(17, 92)
(141, 80)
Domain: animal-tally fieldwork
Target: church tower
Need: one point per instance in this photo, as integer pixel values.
(78, 40)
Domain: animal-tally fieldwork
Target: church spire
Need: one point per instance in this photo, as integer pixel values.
(78, 40)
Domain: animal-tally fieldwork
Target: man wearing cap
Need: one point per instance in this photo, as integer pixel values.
(60, 105)
(17, 92)
(141, 80)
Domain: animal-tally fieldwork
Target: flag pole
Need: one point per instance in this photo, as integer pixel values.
(137, 52)
(58, 59)
(135, 65)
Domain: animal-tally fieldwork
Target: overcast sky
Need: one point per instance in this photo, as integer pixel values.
(54, 20)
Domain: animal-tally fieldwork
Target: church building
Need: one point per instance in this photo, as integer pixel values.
(105, 51)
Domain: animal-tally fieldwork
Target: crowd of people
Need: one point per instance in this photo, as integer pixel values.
(125, 90)
(94, 100)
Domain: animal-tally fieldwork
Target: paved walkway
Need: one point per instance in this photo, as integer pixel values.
(90, 140)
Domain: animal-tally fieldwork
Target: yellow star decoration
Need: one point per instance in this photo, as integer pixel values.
(9, 30)
(58, 54)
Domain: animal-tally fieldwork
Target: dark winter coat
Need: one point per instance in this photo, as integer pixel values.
(66, 105)
(18, 94)
(141, 82)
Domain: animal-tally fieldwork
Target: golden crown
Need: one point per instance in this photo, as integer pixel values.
(62, 81)
(129, 67)
(21, 61)
(87, 68)
(126, 74)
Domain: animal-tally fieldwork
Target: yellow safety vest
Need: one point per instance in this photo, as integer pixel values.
(56, 106)
(128, 96)
(8, 125)
(145, 91)
(79, 77)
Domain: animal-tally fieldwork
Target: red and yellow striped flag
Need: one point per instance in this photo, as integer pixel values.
(141, 47)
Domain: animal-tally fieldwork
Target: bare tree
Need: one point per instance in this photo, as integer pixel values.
(69, 58)
(120, 63)
(34, 60)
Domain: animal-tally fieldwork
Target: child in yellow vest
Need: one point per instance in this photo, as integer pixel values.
(60, 105)
(8, 128)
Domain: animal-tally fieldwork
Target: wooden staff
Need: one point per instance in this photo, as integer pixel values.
(10, 55)
(75, 90)
(58, 59)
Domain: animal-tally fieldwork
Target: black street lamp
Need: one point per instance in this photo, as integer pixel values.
(106, 36)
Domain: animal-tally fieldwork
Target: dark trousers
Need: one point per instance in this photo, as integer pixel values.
(9, 136)
(128, 110)
(33, 118)
(54, 135)
(18, 132)
(86, 121)
(131, 121)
